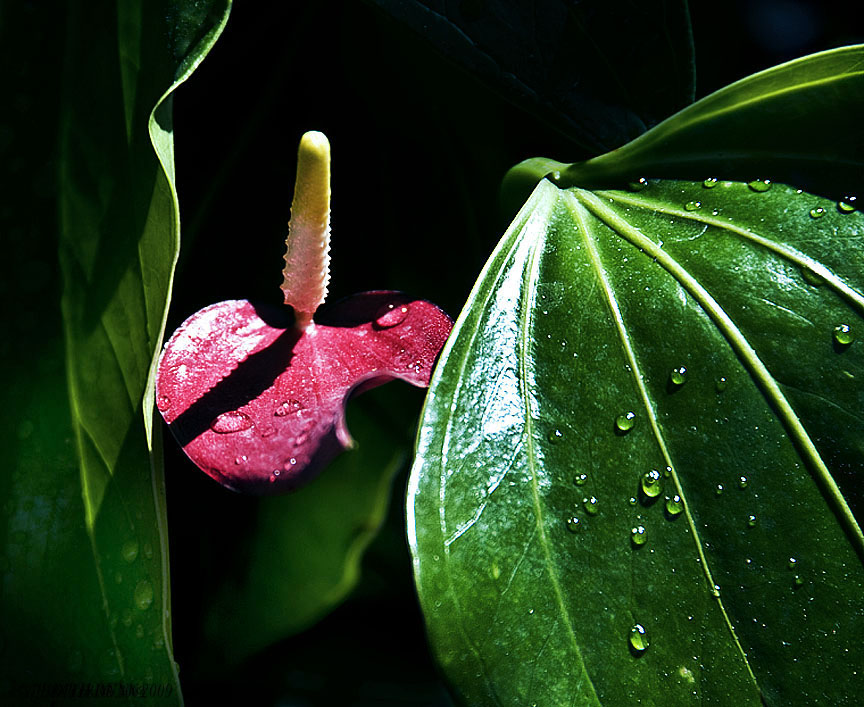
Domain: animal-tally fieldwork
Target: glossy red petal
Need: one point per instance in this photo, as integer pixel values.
(260, 406)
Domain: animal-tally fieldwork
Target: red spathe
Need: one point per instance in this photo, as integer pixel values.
(260, 406)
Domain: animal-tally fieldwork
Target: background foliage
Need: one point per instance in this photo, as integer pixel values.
(419, 151)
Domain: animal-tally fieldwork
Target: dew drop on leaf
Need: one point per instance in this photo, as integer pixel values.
(638, 184)
(792, 564)
(580, 479)
(143, 594)
(241, 459)
(847, 204)
(843, 334)
(129, 551)
(638, 638)
(693, 205)
(678, 376)
(760, 185)
(555, 436)
(573, 525)
(229, 422)
(710, 183)
(674, 505)
(390, 315)
(719, 489)
(811, 278)
(742, 482)
(652, 483)
(625, 421)
(797, 582)
(817, 212)
(637, 535)
(721, 384)
(752, 521)
(590, 504)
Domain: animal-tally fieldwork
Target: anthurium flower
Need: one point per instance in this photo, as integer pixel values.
(255, 393)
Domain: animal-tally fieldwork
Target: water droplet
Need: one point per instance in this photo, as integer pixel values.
(843, 334)
(792, 564)
(625, 422)
(678, 376)
(719, 489)
(391, 315)
(710, 183)
(229, 422)
(797, 582)
(162, 402)
(289, 463)
(847, 204)
(742, 482)
(817, 212)
(277, 472)
(752, 521)
(632, 500)
(811, 278)
(287, 407)
(580, 479)
(652, 483)
(674, 505)
(638, 184)
(143, 594)
(760, 185)
(573, 525)
(693, 205)
(129, 551)
(721, 384)
(591, 507)
(715, 590)
(639, 638)
(637, 535)
(241, 459)
(556, 436)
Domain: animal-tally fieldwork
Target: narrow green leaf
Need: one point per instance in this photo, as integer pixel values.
(631, 471)
(86, 598)
(303, 556)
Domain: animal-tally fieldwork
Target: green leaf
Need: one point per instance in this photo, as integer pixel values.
(797, 122)
(530, 53)
(86, 595)
(303, 556)
(575, 486)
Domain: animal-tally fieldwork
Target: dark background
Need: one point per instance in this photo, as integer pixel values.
(419, 149)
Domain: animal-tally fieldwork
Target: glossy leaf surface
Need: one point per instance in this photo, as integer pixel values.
(630, 471)
(588, 68)
(797, 122)
(85, 583)
(260, 406)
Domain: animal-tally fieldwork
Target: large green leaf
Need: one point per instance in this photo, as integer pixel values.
(557, 397)
(85, 591)
(798, 122)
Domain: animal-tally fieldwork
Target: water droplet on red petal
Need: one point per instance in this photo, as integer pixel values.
(229, 422)
(391, 315)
